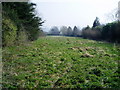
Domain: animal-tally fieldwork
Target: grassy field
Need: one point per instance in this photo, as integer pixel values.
(61, 62)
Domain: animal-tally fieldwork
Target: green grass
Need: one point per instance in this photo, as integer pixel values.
(61, 62)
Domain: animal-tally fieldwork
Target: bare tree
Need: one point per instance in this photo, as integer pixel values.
(63, 30)
(118, 11)
(69, 31)
(75, 31)
(113, 15)
(54, 31)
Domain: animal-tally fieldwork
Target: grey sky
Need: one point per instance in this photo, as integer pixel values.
(74, 12)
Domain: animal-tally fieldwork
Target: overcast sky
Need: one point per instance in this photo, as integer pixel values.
(74, 12)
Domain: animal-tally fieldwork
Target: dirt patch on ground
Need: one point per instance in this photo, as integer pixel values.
(87, 55)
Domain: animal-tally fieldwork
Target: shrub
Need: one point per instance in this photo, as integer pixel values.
(111, 32)
(9, 32)
(91, 34)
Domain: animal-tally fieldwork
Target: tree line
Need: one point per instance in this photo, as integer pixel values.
(65, 31)
(106, 32)
(19, 23)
